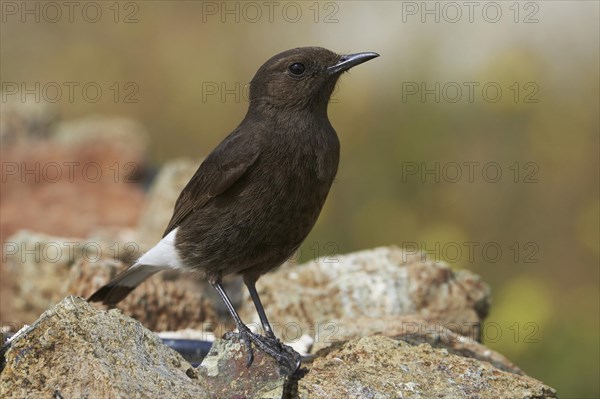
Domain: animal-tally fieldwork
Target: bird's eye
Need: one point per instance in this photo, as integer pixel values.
(297, 68)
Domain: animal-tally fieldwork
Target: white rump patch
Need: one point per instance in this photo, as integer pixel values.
(164, 254)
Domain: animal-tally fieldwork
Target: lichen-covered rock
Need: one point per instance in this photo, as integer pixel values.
(380, 367)
(75, 351)
(227, 376)
(375, 283)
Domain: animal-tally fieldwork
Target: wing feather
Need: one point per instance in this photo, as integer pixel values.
(225, 165)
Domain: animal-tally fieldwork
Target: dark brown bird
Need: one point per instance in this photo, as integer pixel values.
(258, 194)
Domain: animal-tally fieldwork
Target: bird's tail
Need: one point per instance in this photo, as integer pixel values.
(120, 286)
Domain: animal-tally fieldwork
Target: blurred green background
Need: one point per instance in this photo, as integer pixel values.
(526, 219)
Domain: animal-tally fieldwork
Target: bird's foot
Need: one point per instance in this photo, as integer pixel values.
(288, 359)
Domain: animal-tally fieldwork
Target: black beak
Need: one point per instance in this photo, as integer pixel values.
(349, 61)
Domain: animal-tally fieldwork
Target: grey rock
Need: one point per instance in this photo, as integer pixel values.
(414, 330)
(75, 351)
(38, 265)
(382, 368)
(372, 284)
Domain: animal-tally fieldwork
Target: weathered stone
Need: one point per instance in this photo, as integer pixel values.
(375, 283)
(227, 376)
(380, 367)
(414, 330)
(75, 351)
(38, 267)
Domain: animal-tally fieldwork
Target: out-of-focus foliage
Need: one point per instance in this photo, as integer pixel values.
(531, 232)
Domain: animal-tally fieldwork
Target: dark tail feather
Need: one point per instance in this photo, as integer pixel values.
(119, 287)
(110, 295)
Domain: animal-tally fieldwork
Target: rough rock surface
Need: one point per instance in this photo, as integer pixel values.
(414, 330)
(75, 351)
(380, 367)
(226, 375)
(375, 283)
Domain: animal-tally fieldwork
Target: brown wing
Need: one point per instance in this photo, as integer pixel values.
(220, 170)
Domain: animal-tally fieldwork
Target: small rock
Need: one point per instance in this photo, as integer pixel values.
(84, 353)
(226, 373)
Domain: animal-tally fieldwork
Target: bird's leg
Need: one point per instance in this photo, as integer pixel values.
(251, 284)
(287, 358)
(242, 328)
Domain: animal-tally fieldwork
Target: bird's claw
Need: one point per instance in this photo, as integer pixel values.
(289, 360)
(247, 343)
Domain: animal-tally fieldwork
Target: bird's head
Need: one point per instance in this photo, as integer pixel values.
(301, 78)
